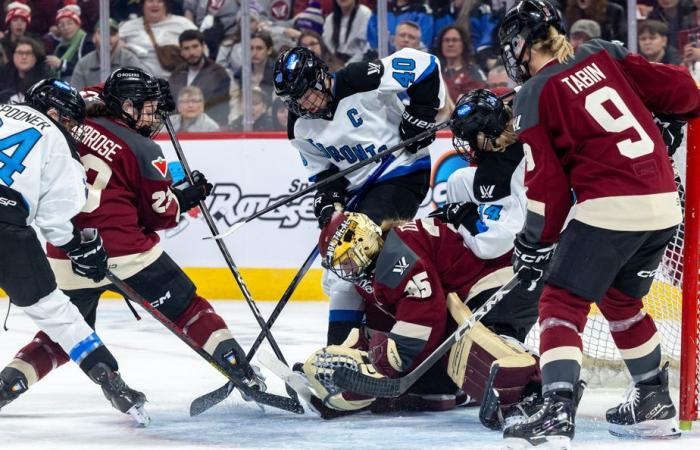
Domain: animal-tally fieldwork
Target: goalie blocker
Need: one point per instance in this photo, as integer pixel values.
(482, 364)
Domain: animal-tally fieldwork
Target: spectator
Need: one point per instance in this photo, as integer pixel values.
(43, 15)
(653, 43)
(27, 67)
(214, 18)
(191, 116)
(326, 7)
(156, 27)
(89, 14)
(345, 30)
(17, 19)
(459, 72)
(673, 13)
(692, 18)
(203, 72)
(610, 16)
(497, 78)
(262, 60)
(314, 42)
(74, 43)
(231, 51)
(310, 18)
(87, 70)
(262, 121)
(279, 114)
(401, 11)
(582, 31)
(408, 35)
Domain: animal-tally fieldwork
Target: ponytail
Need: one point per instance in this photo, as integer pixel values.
(557, 45)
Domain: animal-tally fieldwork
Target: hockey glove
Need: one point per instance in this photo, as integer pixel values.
(325, 204)
(671, 128)
(87, 254)
(190, 194)
(465, 214)
(530, 261)
(412, 125)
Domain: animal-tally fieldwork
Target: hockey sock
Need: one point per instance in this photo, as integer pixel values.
(562, 318)
(200, 322)
(36, 359)
(635, 335)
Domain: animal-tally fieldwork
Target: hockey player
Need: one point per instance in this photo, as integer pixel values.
(339, 119)
(42, 182)
(413, 277)
(131, 197)
(584, 120)
(486, 202)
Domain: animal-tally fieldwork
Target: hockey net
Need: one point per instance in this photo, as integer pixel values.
(673, 301)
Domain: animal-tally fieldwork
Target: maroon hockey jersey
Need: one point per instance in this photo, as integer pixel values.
(586, 127)
(129, 195)
(421, 262)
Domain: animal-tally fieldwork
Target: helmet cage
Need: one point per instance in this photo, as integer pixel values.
(351, 250)
(129, 84)
(60, 96)
(479, 119)
(296, 72)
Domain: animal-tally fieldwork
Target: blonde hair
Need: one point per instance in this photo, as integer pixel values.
(556, 44)
(508, 136)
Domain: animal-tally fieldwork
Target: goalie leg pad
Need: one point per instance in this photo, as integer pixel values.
(319, 368)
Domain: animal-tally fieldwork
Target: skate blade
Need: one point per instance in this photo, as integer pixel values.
(551, 443)
(140, 416)
(649, 429)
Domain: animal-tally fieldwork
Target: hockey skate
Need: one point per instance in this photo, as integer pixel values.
(523, 410)
(551, 427)
(121, 396)
(647, 412)
(232, 355)
(12, 384)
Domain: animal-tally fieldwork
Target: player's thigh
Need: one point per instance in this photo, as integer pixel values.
(637, 275)
(165, 285)
(396, 198)
(588, 259)
(25, 274)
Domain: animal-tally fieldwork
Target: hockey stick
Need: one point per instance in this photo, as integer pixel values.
(224, 250)
(359, 383)
(401, 145)
(208, 400)
(263, 398)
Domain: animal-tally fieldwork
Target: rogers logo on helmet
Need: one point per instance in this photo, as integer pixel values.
(128, 75)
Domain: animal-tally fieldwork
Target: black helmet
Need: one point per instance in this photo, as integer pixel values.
(137, 86)
(64, 98)
(479, 111)
(524, 24)
(296, 71)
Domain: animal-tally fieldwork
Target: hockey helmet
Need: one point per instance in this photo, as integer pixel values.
(52, 93)
(296, 72)
(131, 84)
(524, 24)
(349, 245)
(479, 119)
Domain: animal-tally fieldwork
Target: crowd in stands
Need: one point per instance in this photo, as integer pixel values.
(196, 44)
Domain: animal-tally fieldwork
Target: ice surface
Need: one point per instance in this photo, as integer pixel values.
(67, 411)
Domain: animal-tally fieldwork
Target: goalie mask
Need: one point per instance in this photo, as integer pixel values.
(349, 245)
(302, 81)
(524, 24)
(479, 119)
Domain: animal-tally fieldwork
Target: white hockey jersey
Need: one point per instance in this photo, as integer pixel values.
(36, 162)
(497, 186)
(367, 116)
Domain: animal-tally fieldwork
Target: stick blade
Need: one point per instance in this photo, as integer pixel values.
(365, 385)
(207, 401)
(226, 233)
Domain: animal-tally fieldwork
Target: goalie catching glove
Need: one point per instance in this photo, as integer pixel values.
(190, 194)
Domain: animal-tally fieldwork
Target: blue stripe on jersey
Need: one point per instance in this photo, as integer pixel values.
(85, 347)
(428, 71)
(419, 164)
(345, 315)
(403, 96)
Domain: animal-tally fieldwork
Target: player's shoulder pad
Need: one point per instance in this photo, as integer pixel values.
(357, 77)
(395, 261)
(615, 49)
(527, 100)
(492, 179)
(148, 154)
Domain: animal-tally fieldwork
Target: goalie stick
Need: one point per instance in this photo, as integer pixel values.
(248, 392)
(401, 145)
(213, 398)
(265, 330)
(359, 383)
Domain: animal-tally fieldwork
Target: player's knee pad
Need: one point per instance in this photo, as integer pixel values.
(562, 304)
(200, 322)
(471, 359)
(36, 359)
(319, 368)
(618, 306)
